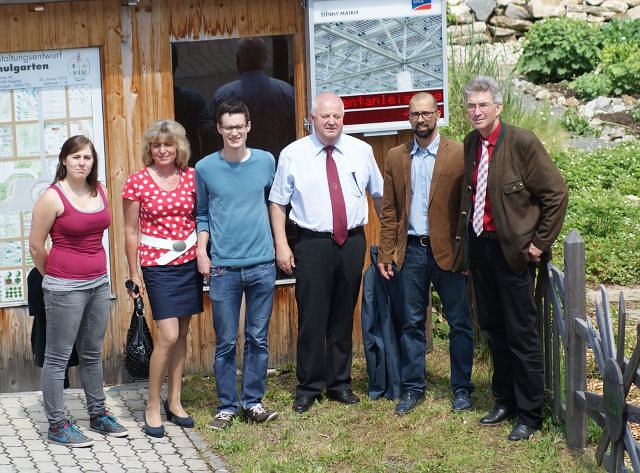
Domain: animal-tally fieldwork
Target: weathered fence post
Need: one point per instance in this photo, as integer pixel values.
(575, 361)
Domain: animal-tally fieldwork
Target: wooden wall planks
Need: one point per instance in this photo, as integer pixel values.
(137, 89)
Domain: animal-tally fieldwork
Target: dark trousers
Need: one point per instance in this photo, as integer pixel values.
(328, 280)
(507, 316)
(418, 272)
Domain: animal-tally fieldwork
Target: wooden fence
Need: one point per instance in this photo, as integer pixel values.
(568, 332)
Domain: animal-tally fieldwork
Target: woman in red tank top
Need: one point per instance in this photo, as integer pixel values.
(74, 211)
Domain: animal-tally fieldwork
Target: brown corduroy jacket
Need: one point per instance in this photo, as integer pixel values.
(443, 207)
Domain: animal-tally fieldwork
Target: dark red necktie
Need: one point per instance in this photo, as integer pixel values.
(338, 208)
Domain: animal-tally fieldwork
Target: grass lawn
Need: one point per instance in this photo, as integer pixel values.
(369, 437)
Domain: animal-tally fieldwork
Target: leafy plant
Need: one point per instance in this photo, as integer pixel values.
(621, 31)
(619, 69)
(559, 48)
(591, 85)
(576, 124)
(438, 320)
(604, 188)
(621, 65)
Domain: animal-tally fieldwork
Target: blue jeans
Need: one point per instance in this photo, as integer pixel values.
(226, 287)
(78, 317)
(418, 272)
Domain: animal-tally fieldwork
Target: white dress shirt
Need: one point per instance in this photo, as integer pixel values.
(301, 179)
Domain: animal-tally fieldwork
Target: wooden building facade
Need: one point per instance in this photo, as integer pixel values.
(135, 48)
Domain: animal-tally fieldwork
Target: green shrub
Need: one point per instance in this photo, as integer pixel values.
(621, 65)
(621, 31)
(591, 85)
(558, 49)
(604, 186)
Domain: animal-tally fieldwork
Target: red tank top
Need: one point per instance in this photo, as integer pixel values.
(76, 250)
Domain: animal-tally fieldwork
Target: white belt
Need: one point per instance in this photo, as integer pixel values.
(176, 247)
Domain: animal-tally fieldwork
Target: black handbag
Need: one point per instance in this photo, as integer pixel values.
(139, 346)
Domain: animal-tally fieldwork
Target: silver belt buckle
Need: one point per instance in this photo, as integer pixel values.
(424, 241)
(179, 245)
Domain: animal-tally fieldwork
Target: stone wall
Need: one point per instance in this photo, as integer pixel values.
(487, 21)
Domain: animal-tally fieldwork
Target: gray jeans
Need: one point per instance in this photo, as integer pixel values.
(80, 317)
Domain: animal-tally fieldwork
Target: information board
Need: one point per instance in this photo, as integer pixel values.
(45, 98)
(376, 54)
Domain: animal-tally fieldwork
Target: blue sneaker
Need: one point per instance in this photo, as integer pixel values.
(106, 424)
(68, 434)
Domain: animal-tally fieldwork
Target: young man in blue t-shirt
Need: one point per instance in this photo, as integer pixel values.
(232, 213)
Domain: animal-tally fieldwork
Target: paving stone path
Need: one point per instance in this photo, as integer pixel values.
(24, 447)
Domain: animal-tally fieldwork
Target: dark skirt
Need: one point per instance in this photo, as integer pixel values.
(173, 290)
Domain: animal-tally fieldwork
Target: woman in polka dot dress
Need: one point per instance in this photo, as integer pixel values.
(159, 212)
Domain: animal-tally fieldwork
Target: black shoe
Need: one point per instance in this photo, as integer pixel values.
(345, 396)
(497, 416)
(181, 421)
(461, 400)
(409, 401)
(304, 402)
(521, 432)
(157, 432)
(258, 413)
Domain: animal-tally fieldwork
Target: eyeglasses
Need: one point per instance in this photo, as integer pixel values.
(425, 115)
(483, 107)
(238, 128)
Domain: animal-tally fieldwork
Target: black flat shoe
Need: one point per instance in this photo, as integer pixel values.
(181, 421)
(303, 402)
(157, 432)
(345, 396)
(497, 416)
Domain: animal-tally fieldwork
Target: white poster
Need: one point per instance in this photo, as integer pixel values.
(45, 97)
(376, 54)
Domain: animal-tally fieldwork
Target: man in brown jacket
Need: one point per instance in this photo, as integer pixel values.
(419, 215)
(513, 205)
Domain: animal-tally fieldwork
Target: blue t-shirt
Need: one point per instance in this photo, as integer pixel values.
(232, 207)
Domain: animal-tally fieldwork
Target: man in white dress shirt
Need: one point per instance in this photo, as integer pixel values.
(325, 177)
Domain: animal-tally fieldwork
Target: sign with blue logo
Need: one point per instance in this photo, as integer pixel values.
(421, 4)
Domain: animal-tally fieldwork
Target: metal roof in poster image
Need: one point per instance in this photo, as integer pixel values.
(362, 53)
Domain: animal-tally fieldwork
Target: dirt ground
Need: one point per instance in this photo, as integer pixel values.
(631, 298)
